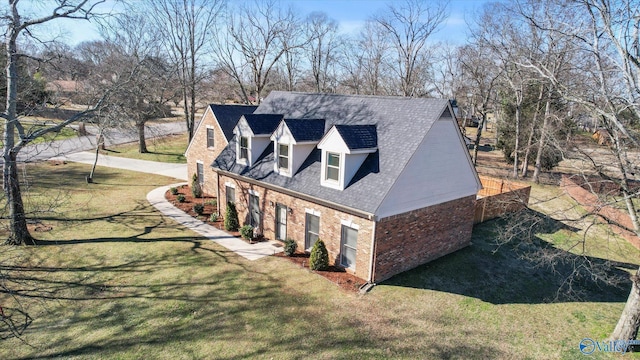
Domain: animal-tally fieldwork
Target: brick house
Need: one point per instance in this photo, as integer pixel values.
(214, 131)
(386, 182)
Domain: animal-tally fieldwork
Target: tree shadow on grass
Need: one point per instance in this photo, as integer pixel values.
(525, 270)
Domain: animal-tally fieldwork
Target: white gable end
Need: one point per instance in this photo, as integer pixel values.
(333, 142)
(439, 171)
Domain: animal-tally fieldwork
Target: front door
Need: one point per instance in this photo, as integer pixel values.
(281, 222)
(312, 231)
(254, 211)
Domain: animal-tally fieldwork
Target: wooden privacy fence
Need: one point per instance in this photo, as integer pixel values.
(499, 197)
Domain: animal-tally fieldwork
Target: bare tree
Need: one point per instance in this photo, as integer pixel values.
(137, 55)
(256, 38)
(410, 24)
(186, 28)
(322, 48)
(604, 82)
(15, 25)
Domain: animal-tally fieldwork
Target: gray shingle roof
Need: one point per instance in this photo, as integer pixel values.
(228, 116)
(263, 124)
(306, 129)
(358, 136)
(401, 125)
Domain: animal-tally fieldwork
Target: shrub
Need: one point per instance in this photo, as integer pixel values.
(231, 222)
(213, 202)
(174, 191)
(198, 208)
(196, 190)
(319, 259)
(181, 198)
(290, 247)
(247, 232)
(214, 217)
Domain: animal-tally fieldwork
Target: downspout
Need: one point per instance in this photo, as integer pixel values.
(217, 191)
(372, 268)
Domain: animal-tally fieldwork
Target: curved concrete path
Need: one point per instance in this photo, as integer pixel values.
(240, 247)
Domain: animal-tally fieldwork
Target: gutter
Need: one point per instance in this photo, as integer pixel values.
(329, 204)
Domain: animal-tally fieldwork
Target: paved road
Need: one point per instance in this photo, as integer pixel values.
(65, 147)
(178, 171)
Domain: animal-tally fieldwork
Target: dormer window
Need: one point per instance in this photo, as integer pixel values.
(244, 148)
(344, 149)
(283, 157)
(332, 172)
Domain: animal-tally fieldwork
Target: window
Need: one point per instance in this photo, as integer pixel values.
(254, 211)
(230, 193)
(281, 222)
(283, 156)
(210, 137)
(244, 147)
(333, 167)
(312, 230)
(349, 242)
(200, 171)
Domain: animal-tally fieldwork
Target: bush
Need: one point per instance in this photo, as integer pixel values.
(181, 198)
(319, 259)
(231, 222)
(196, 190)
(174, 191)
(247, 232)
(214, 217)
(290, 247)
(198, 208)
(213, 203)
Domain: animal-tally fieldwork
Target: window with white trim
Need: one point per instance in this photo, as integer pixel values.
(230, 194)
(283, 157)
(332, 170)
(210, 140)
(200, 172)
(349, 240)
(244, 148)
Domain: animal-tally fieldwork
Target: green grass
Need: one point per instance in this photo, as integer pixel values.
(113, 279)
(168, 149)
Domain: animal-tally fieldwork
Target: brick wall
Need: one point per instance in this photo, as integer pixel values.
(410, 239)
(198, 151)
(330, 221)
(593, 204)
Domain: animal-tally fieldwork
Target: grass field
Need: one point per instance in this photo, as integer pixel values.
(113, 279)
(166, 149)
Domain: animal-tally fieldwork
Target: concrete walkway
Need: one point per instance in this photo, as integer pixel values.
(240, 247)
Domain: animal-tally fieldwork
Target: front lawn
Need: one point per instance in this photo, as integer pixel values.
(168, 149)
(113, 279)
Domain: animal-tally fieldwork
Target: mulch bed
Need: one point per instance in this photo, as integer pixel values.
(334, 274)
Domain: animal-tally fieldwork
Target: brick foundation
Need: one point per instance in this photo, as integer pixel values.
(410, 239)
(330, 221)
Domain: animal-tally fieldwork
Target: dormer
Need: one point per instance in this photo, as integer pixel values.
(253, 133)
(344, 149)
(293, 141)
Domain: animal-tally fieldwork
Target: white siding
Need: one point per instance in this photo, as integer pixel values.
(258, 145)
(352, 164)
(439, 171)
(300, 154)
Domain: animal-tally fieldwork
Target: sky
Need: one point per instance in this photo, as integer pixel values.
(350, 14)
